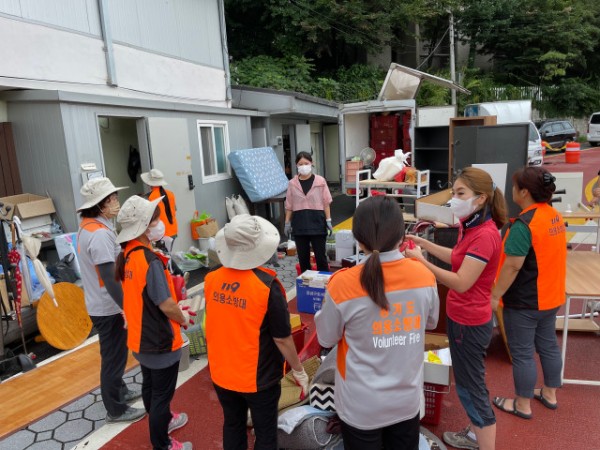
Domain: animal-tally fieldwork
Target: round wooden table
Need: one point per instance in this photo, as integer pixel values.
(67, 325)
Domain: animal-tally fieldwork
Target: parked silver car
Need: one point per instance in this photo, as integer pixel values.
(593, 133)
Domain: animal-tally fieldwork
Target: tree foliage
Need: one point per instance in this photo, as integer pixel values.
(293, 73)
(320, 47)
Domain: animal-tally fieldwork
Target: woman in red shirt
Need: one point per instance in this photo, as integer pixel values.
(481, 208)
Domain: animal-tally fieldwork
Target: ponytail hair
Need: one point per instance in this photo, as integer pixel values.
(120, 264)
(379, 226)
(480, 182)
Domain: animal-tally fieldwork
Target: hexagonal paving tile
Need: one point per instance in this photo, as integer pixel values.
(49, 422)
(73, 430)
(20, 440)
(43, 436)
(46, 445)
(81, 404)
(97, 411)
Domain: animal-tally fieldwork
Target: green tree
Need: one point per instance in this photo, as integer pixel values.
(532, 41)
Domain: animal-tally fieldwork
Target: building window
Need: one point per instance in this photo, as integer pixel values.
(214, 148)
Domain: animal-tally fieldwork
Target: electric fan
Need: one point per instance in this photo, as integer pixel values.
(367, 156)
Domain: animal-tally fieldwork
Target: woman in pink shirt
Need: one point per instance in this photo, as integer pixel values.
(307, 213)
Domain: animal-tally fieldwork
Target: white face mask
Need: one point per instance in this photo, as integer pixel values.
(463, 208)
(157, 232)
(304, 169)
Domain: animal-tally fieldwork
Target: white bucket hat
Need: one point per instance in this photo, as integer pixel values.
(96, 190)
(134, 217)
(246, 242)
(154, 178)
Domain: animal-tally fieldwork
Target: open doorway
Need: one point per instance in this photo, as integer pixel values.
(123, 158)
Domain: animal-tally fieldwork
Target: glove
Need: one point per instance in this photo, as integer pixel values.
(329, 227)
(287, 229)
(187, 314)
(301, 380)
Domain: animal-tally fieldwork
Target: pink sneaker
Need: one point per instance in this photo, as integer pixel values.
(177, 421)
(176, 445)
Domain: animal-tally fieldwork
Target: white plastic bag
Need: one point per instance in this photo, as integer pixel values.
(240, 205)
(229, 205)
(389, 167)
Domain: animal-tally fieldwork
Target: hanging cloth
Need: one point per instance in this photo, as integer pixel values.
(134, 164)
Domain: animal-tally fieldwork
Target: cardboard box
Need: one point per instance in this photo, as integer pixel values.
(26, 206)
(4, 294)
(310, 290)
(431, 207)
(436, 373)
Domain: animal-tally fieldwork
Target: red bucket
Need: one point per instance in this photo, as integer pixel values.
(572, 153)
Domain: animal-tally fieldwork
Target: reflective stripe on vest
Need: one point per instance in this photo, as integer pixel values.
(540, 284)
(148, 329)
(236, 308)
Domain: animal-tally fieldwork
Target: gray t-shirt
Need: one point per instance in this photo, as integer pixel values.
(97, 247)
(158, 291)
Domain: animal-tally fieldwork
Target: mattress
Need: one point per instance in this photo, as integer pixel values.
(260, 172)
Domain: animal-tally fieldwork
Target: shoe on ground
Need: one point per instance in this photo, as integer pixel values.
(130, 415)
(176, 445)
(177, 421)
(460, 439)
(132, 395)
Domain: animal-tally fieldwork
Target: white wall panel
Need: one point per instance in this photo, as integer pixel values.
(78, 15)
(185, 29)
(149, 72)
(40, 53)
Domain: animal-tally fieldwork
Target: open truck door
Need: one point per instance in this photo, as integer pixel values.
(385, 124)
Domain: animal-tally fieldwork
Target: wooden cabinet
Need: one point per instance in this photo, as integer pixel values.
(431, 153)
(10, 180)
(464, 122)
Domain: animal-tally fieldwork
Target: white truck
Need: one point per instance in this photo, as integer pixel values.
(512, 111)
(396, 98)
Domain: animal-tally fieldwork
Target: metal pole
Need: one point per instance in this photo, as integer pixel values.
(452, 58)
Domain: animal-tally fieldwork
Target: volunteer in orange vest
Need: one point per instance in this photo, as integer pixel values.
(248, 332)
(97, 251)
(167, 206)
(481, 208)
(377, 313)
(153, 318)
(531, 287)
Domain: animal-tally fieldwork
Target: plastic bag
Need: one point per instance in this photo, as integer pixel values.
(229, 206)
(239, 204)
(62, 270)
(389, 167)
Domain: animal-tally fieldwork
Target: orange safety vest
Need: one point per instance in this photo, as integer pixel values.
(242, 355)
(170, 225)
(540, 284)
(91, 225)
(148, 329)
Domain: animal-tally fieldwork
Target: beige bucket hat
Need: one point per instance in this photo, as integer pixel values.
(246, 242)
(96, 190)
(134, 217)
(154, 178)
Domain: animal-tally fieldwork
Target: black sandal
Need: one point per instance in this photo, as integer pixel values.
(499, 403)
(544, 400)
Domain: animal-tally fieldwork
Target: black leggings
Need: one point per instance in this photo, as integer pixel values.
(303, 244)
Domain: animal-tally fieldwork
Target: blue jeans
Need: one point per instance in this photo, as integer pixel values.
(468, 346)
(528, 330)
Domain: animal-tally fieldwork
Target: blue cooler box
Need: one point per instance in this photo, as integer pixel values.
(310, 290)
